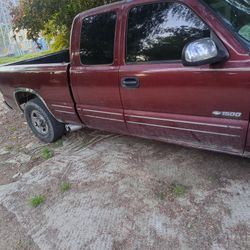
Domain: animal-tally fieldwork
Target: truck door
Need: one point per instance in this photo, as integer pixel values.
(94, 70)
(166, 101)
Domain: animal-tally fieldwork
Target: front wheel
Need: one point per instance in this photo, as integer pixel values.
(42, 123)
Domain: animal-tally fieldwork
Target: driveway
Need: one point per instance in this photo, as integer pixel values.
(122, 193)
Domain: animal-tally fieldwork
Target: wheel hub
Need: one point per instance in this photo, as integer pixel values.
(39, 122)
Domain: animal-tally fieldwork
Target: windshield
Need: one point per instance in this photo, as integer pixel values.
(236, 13)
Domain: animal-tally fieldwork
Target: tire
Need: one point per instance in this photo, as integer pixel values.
(42, 123)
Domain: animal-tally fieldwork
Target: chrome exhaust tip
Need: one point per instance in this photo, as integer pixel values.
(73, 127)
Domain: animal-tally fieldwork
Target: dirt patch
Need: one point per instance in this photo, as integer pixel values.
(125, 193)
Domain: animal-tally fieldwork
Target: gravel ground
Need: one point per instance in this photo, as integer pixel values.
(124, 193)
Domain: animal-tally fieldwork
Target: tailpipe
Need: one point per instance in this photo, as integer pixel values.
(73, 127)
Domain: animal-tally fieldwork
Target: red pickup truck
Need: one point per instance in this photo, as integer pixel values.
(174, 71)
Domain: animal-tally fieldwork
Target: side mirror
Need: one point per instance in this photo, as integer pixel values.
(203, 51)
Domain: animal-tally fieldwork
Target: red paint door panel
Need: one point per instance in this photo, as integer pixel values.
(95, 72)
(98, 99)
(176, 104)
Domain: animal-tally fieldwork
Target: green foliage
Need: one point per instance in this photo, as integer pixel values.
(37, 200)
(178, 190)
(47, 153)
(65, 186)
(52, 18)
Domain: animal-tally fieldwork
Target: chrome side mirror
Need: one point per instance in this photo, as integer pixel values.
(203, 51)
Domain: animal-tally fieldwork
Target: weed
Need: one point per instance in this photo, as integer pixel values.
(178, 190)
(47, 153)
(65, 186)
(37, 200)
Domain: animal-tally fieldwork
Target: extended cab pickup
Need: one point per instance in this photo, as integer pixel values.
(175, 71)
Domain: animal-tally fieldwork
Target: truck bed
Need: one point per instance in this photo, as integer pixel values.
(46, 77)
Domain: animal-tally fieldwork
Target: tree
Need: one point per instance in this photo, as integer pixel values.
(52, 18)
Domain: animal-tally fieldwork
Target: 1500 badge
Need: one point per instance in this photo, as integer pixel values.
(226, 114)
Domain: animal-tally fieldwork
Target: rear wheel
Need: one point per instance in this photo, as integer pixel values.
(42, 123)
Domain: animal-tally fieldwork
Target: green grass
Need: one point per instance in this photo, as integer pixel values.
(178, 190)
(12, 59)
(37, 200)
(47, 153)
(65, 186)
(171, 191)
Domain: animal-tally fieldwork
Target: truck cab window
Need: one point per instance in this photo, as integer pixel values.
(97, 39)
(159, 32)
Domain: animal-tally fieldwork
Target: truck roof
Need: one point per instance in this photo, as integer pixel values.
(110, 7)
(104, 7)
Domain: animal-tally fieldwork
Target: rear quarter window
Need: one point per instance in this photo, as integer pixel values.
(97, 39)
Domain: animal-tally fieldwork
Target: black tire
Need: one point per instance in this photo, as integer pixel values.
(42, 123)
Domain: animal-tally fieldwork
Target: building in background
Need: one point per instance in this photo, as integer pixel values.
(8, 45)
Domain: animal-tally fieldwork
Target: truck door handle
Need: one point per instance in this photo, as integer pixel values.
(130, 82)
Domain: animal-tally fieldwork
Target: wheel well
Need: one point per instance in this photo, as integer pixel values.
(23, 97)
